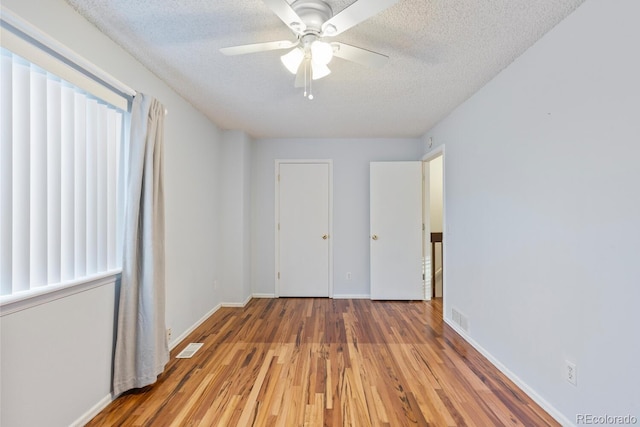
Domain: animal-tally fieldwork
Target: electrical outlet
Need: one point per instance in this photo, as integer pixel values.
(570, 372)
(349, 275)
(169, 332)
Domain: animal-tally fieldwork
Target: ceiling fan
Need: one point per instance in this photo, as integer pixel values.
(313, 22)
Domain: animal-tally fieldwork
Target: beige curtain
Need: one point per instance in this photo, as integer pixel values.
(141, 342)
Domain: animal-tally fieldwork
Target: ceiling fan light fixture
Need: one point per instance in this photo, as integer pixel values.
(296, 26)
(321, 52)
(319, 70)
(292, 60)
(330, 30)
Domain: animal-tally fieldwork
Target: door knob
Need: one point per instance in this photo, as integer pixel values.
(374, 237)
(325, 237)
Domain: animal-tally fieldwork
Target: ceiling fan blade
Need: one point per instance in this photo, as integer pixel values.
(359, 55)
(258, 47)
(354, 14)
(286, 13)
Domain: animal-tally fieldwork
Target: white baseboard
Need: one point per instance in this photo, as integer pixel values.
(95, 410)
(193, 327)
(182, 336)
(335, 296)
(237, 304)
(351, 296)
(557, 415)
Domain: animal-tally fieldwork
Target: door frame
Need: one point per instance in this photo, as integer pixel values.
(276, 174)
(430, 155)
(426, 231)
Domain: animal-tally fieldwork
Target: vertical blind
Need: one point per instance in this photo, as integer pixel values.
(60, 202)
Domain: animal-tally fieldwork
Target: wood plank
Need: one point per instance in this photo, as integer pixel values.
(321, 362)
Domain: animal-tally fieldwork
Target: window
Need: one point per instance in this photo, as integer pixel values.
(60, 179)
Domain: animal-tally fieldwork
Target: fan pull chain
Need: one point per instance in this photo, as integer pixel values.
(305, 79)
(308, 80)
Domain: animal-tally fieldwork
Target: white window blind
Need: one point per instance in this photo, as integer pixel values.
(60, 202)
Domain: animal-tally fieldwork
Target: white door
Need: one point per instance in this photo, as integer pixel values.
(303, 229)
(396, 230)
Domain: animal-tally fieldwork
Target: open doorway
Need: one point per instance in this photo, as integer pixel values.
(433, 229)
(436, 218)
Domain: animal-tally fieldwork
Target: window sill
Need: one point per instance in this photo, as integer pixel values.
(24, 300)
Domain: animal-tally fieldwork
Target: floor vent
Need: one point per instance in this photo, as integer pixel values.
(189, 350)
(460, 319)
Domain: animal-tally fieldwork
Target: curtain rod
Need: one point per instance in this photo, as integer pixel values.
(33, 35)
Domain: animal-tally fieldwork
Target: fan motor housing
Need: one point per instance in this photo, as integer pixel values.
(313, 13)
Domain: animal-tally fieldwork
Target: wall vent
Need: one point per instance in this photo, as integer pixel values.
(460, 319)
(189, 350)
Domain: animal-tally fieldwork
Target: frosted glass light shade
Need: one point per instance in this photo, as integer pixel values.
(292, 60)
(321, 52)
(319, 70)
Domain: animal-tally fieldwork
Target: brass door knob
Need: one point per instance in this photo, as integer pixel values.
(374, 237)
(325, 236)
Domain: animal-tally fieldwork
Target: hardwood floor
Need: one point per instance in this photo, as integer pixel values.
(323, 362)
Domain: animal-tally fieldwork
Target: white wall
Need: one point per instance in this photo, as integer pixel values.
(351, 159)
(56, 358)
(235, 204)
(543, 212)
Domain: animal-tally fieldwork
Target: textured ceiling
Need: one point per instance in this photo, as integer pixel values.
(440, 53)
